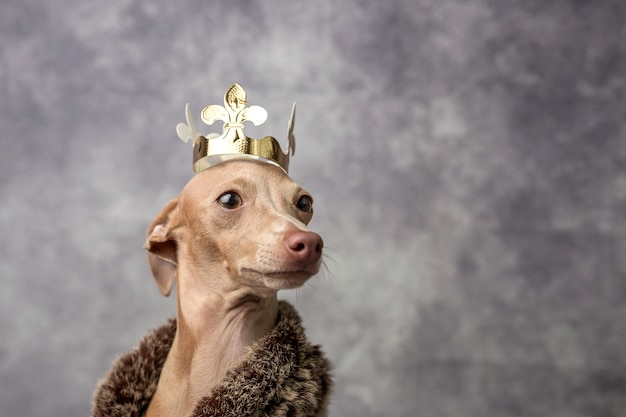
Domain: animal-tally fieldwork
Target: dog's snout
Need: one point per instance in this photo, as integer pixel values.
(305, 246)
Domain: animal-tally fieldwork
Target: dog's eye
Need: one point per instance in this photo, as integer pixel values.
(230, 200)
(305, 204)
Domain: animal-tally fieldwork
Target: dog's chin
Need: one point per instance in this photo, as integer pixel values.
(281, 280)
(286, 280)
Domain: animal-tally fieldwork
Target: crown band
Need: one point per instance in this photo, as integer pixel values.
(233, 143)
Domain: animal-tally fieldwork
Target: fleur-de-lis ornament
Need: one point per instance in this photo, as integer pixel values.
(234, 113)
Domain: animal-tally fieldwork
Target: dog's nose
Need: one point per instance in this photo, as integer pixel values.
(305, 246)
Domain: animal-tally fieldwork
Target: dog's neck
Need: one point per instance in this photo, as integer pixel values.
(212, 337)
(215, 325)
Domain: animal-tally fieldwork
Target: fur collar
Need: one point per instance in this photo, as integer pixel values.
(283, 375)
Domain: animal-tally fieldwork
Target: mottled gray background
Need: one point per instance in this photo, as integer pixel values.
(468, 159)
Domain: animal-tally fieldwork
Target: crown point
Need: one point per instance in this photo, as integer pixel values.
(187, 131)
(290, 127)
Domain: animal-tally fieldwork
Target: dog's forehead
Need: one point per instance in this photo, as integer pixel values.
(241, 173)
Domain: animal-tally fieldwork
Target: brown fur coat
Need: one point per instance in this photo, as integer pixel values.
(283, 375)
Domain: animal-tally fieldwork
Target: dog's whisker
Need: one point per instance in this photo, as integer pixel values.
(311, 284)
(331, 249)
(327, 257)
(325, 272)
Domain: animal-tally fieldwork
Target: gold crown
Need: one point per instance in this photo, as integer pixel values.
(212, 149)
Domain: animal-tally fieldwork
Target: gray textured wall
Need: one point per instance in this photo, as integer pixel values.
(468, 159)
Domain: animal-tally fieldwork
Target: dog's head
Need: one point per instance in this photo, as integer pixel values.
(242, 220)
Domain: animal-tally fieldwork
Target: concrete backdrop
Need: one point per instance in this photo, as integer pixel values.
(468, 160)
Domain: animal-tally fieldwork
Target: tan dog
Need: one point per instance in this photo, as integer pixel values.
(235, 235)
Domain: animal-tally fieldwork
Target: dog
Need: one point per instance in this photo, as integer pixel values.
(234, 237)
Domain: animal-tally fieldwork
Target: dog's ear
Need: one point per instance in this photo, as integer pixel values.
(162, 247)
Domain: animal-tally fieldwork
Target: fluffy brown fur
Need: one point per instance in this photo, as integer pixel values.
(282, 375)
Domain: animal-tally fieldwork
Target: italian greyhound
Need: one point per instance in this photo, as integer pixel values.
(234, 236)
